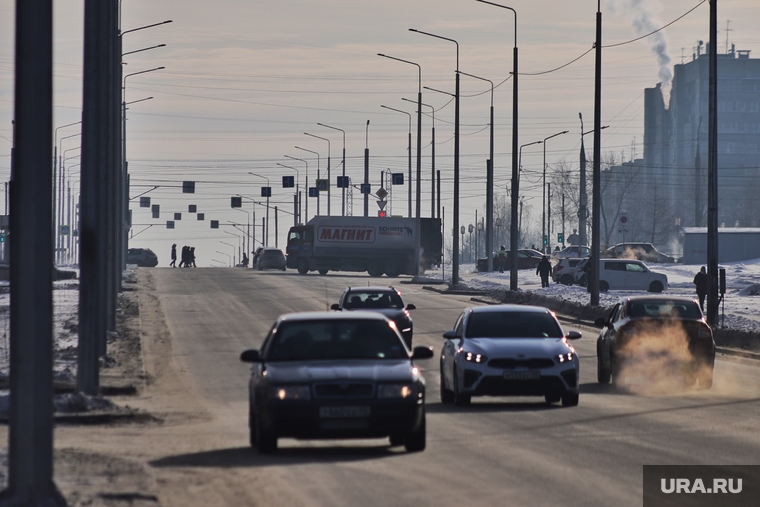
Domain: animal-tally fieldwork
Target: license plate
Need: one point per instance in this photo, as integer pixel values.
(343, 412)
(522, 375)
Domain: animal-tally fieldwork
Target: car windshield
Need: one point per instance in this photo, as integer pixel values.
(663, 308)
(372, 300)
(512, 325)
(335, 339)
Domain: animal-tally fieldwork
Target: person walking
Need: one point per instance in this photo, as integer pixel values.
(173, 263)
(544, 269)
(700, 280)
(501, 255)
(191, 256)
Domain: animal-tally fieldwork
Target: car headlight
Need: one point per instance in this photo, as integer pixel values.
(402, 391)
(472, 357)
(566, 358)
(289, 393)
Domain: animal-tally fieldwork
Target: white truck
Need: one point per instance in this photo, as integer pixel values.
(372, 244)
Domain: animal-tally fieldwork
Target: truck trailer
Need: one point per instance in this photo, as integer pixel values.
(372, 244)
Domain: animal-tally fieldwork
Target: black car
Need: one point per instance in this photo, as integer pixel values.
(385, 300)
(269, 258)
(336, 376)
(143, 257)
(654, 336)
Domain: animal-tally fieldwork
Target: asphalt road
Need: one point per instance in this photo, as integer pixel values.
(499, 451)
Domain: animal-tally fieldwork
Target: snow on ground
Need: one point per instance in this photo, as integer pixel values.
(741, 304)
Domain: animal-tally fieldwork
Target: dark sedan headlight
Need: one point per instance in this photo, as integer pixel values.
(397, 391)
(472, 357)
(566, 357)
(289, 393)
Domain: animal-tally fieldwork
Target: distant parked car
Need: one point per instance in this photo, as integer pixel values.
(270, 258)
(572, 251)
(526, 259)
(638, 251)
(143, 257)
(564, 271)
(622, 274)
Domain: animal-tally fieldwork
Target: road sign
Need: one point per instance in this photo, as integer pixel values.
(192, 208)
(322, 185)
(145, 202)
(215, 224)
(188, 187)
(397, 178)
(170, 224)
(266, 191)
(155, 210)
(382, 193)
(623, 219)
(64, 230)
(381, 204)
(313, 192)
(201, 216)
(343, 181)
(178, 216)
(288, 182)
(236, 202)
(365, 188)
(381, 214)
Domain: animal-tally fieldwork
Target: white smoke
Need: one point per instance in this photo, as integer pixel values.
(644, 20)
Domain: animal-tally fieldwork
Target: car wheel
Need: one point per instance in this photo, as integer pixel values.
(570, 399)
(460, 400)
(322, 272)
(391, 269)
(602, 373)
(604, 286)
(302, 266)
(655, 287)
(566, 280)
(447, 396)
(552, 398)
(615, 372)
(266, 439)
(416, 440)
(374, 268)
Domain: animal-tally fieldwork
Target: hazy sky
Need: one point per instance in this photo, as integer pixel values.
(245, 79)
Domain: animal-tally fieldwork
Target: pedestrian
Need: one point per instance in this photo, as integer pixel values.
(501, 255)
(700, 280)
(182, 257)
(191, 254)
(174, 256)
(245, 260)
(544, 269)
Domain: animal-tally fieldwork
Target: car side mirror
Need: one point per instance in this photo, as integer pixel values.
(250, 356)
(450, 335)
(335, 306)
(411, 307)
(422, 352)
(574, 335)
(600, 322)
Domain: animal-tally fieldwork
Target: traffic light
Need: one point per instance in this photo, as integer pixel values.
(546, 240)
(2, 237)
(381, 213)
(561, 238)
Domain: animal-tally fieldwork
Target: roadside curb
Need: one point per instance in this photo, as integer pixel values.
(454, 292)
(94, 418)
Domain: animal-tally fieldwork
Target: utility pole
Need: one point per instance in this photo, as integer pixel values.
(712, 173)
(366, 170)
(698, 182)
(593, 282)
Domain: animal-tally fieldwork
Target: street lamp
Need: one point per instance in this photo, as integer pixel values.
(583, 203)
(366, 170)
(239, 241)
(515, 176)
(455, 240)
(228, 255)
(266, 230)
(296, 200)
(409, 149)
(247, 245)
(306, 186)
(432, 161)
(489, 182)
(343, 189)
(233, 250)
(545, 239)
(307, 180)
(419, 133)
(328, 172)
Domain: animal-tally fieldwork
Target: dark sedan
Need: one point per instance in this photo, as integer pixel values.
(336, 376)
(649, 336)
(384, 300)
(527, 258)
(142, 257)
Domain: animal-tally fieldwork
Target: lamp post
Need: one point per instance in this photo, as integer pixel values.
(455, 239)
(583, 201)
(239, 242)
(228, 255)
(366, 169)
(343, 164)
(409, 149)
(306, 185)
(266, 230)
(432, 160)
(246, 245)
(515, 176)
(419, 133)
(489, 182)
(296, 200)
(328, 172)
(233, 249)
(546, 245)
(307, 180)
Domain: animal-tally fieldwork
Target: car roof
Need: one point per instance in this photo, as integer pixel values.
(679, 299)
(372, 288)
(332, 316)
(508, 308)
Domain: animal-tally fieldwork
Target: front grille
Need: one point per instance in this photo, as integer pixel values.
(345, 390)
(511, 364)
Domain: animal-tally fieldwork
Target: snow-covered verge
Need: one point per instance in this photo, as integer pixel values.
(740, 310)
